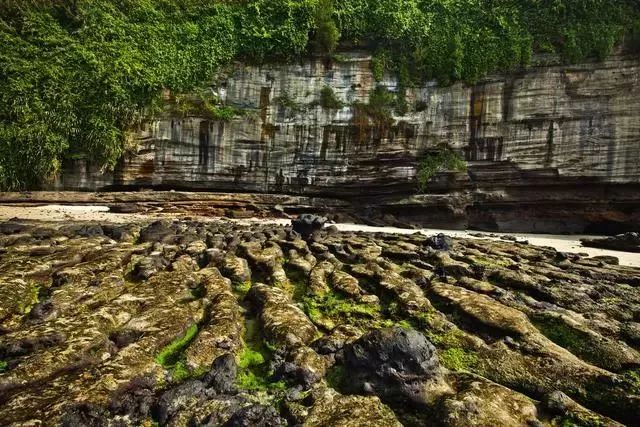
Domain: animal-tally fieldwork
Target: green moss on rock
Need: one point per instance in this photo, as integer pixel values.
(458, 359)
(170, 354)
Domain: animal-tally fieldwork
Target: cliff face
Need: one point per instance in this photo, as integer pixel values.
(559, 143)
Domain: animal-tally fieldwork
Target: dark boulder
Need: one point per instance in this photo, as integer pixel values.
(307, 224)
(83, 230)
(121, 233)
(11, 227)
(159, 231)
(222, 375)
(148, 266)
(628, 242)
(177, 398)
(392, 363)
(440, 242)
(256, 416)
(84, 415)
(135, 400)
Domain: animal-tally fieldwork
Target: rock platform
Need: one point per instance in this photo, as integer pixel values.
(186, 323)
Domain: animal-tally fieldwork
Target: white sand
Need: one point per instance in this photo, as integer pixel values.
(101, 214)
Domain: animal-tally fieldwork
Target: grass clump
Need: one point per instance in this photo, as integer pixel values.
(170, 354)
(441, 160)
(4, 366)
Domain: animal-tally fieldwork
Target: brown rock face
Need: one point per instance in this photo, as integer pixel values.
(550, 148)
(224, 328)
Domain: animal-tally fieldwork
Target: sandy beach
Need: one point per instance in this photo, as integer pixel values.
(563, 243)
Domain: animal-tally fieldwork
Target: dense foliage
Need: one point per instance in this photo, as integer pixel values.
(76, 75)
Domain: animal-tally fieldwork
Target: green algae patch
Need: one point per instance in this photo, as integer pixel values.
(252, 381)
(249, 358)
(241, 288)
(458, 359)
(332, 308)
(170, 354)
(632, 378)
(180, 372)
(29, 299)
(600, 352)
(254, 373)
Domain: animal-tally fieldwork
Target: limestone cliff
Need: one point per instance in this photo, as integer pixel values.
(549, 148)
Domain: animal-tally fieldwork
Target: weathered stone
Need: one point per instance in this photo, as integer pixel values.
(256, 416)
(222, 375)
(333, 409)
(561, 404)
(222, 332)
(479, 402)
(282, 321)
(237, 269)
(485, 310)
(395, 362)
(629, 242)
(522, 135)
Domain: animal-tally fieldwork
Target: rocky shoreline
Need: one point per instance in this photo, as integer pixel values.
(219, 323)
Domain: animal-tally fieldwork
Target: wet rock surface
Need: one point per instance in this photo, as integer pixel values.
(628, 242)
(187, 323)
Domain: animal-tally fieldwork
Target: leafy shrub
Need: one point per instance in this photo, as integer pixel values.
(328, 99)
(327, 34)
(444, 159)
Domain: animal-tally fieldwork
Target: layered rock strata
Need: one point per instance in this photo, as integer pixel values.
(558, 145)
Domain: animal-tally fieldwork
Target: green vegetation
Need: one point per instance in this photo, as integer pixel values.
(458, 359)
(30, 299)
(77, 77)
(170, 354)
(328, 99)
(380, 107)
(444, 159)
(336, 376)
(332, 309)
(249, 358)
(633, 379)
(326, 31)
(254, 373)
(241, 288)
(180, 372)
(3, 366)
(580, 343)
(203, 104)
(286, 101)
